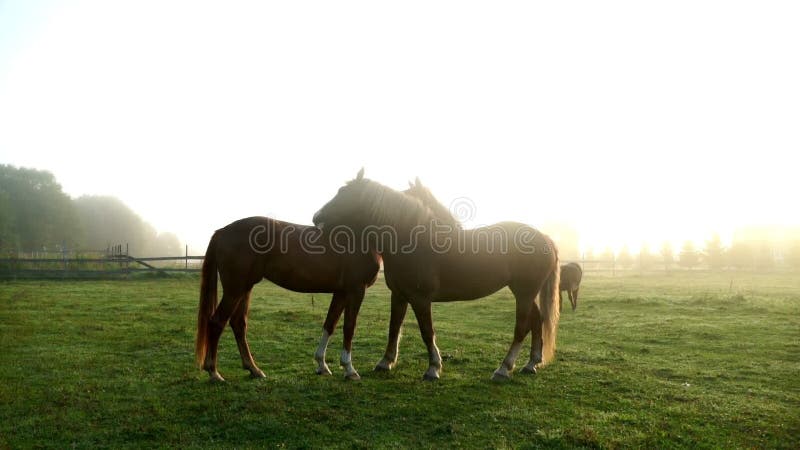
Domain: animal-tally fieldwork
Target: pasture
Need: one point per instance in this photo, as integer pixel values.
(679, 360)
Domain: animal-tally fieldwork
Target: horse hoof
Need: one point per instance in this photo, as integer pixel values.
(428, 376)
(352, 376)
(530, 370)
(257, 373)
(324, 371)
(216, 378)
(500, 376)
(383, 366)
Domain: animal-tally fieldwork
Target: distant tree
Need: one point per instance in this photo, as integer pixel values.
(667, 255)
(646, 258)
(167, 244)
(109, 221)
(8, 238)
(624, 258)
(714, 252)
(38, 214)
(741, 255)
(688, 257)
(35, 214)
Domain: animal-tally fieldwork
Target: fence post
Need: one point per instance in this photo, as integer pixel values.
(186, 261)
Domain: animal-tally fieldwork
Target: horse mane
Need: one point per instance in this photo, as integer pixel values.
(385, 205)
(439, 211)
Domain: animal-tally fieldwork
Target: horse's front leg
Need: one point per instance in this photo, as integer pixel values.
(422, 309)
(399, 308)
(334, 312)
(353, 304)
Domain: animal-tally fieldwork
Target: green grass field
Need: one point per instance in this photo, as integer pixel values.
(688, 360)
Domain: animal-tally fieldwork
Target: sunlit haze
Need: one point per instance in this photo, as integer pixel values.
(632, 122)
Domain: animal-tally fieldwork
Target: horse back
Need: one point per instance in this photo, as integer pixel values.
(293, 256)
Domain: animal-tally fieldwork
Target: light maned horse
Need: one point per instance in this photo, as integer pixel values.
(419, 270)
(571, 274)
(292, 256)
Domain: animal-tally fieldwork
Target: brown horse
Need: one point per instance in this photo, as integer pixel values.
(427, 259)
(295, 257)
(571, 274)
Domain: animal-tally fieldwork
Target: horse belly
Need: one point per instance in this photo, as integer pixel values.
(309, 279)
(470, 280)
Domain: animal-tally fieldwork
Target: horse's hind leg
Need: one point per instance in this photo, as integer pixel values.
(535, 323)
(352, 306)
(399, 308)
(239, 326)
(334, 312)
(521, 328)
(573, 298)
(215, 327)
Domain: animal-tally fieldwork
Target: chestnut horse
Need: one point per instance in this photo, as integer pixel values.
(427, 259)
(571, 274)
(295, 257)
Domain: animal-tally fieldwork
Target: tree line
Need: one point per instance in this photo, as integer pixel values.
(36, 215)
(741, 254)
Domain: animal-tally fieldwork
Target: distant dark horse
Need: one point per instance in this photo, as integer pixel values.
(427, 259)
(571, 274)
(292, 256)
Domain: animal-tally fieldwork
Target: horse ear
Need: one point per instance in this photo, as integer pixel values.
(410, 184)
(360, 175)
(417, 182)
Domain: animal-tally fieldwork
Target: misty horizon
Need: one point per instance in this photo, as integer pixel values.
(623, 129)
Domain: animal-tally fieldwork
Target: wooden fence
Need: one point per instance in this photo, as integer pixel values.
(112, 266)
(118, 264)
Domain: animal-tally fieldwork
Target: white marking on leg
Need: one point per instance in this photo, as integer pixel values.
(319, 355)
(435, 366)
(507, 366)
(346, 362)
(393, 351)
(436, 358)
(511, 357)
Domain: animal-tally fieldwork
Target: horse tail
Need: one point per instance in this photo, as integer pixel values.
(208, 300)
(550, 309)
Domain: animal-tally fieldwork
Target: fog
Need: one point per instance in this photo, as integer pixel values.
(614, 125)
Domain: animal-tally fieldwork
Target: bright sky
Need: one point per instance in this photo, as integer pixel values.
(632, 121)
